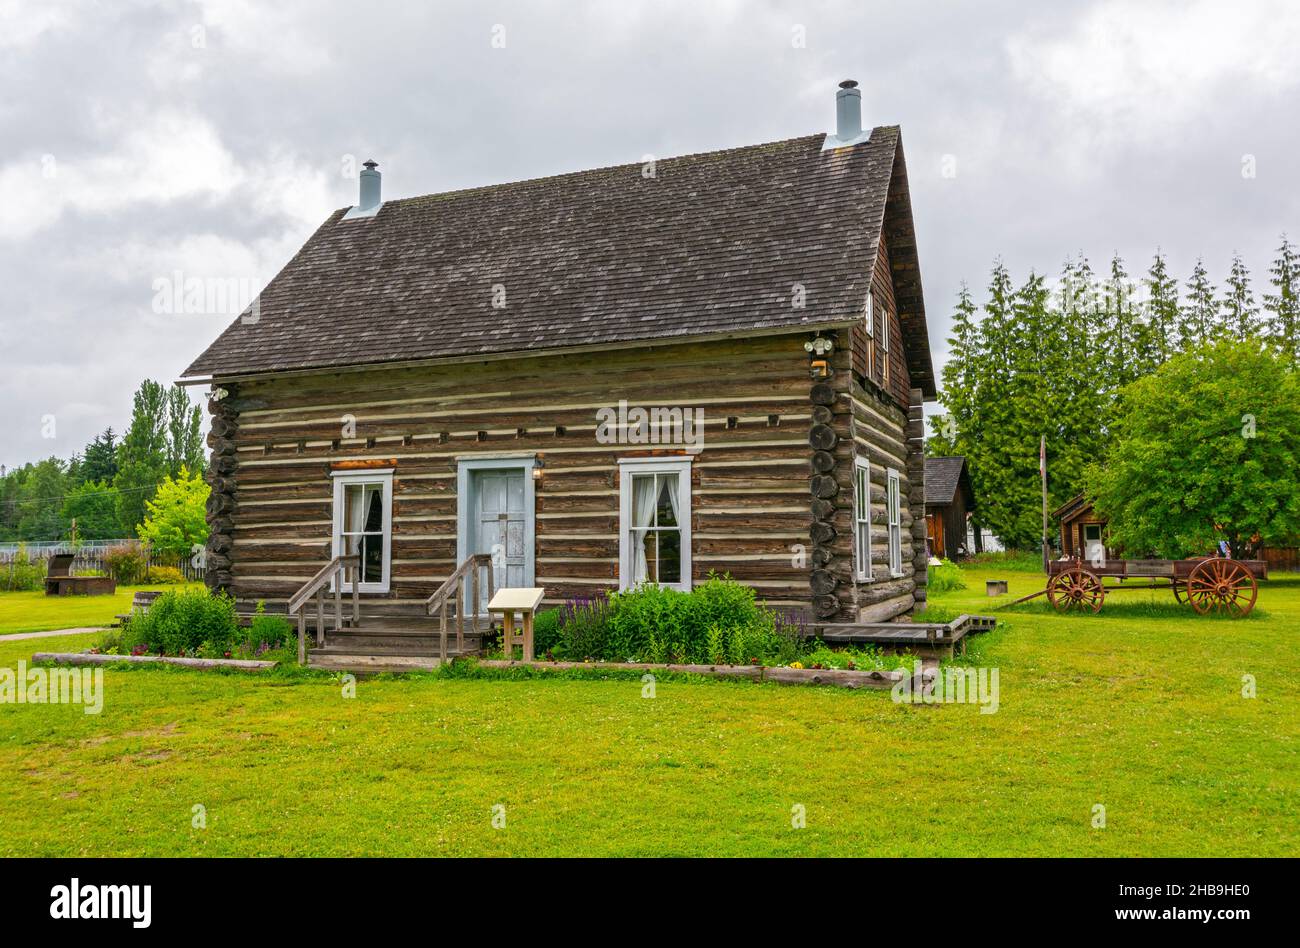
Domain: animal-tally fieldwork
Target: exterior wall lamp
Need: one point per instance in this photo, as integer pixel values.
(819, 366)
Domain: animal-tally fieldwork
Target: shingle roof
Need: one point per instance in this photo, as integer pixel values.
(942, 477)
(711, 244)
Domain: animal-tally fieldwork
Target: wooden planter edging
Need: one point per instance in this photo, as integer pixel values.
(840, 677)
(92, 658)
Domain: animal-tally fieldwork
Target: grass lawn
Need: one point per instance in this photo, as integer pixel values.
(1138, 709)
(37, 612)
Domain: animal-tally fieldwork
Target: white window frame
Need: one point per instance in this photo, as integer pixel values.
(862, 518)
(884, 347)
(626, 468)
(381, 476)
(894, 517)
(871, 335)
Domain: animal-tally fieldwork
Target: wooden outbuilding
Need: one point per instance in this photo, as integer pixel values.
(1083, 530)
(949, 499)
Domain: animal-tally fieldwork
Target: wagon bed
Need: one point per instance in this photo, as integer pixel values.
(1212, 584)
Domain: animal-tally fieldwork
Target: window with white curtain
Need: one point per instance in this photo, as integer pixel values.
(862, 517)
(363, 506)
(893, 508)
(654, 523)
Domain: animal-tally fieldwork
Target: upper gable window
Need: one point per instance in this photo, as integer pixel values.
(870, 323)
(884, 346)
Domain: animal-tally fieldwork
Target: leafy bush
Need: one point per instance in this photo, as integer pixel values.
(945, 577)
(269, 631)
(22, 573)
(719, 621)
(546, 631)
(164, 576)
(126, 563)
(181, 621)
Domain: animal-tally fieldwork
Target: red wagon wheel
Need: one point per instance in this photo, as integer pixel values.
(1180, 589)
(1222, 587)
(1076, 589)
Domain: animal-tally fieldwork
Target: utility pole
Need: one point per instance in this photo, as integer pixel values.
(1042, 473)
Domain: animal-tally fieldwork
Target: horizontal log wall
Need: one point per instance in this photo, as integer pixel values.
(750, 504)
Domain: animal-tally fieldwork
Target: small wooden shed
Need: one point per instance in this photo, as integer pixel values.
(1083, 530)
(948, 499)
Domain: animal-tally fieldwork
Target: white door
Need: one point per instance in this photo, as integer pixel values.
(1093, 548)
(501, 527)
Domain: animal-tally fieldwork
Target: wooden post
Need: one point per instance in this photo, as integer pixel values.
(474, 591)
(356, 595)
(320, 616)
(528, 635)
(338, 599)
(460, 615)
(302, 637)
(1043, 472)
(508, 633)
(442, 646)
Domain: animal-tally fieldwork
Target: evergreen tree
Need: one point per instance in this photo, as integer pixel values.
(99, 461)
(1199, 316)
(1162, 309)
(1284, 305)
(1240, 314)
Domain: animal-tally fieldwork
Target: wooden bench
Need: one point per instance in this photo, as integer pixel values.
(59, 580)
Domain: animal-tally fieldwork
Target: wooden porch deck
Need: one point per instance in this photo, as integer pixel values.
(926, 638)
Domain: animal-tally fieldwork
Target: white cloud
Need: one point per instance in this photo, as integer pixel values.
(164, 158)
(1145, 67)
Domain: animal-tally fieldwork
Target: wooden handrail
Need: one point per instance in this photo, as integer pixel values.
(456, 583)
(336, 567)
(323, 576)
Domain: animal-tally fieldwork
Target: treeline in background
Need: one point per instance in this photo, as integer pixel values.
(1037, 360)
(106, 488)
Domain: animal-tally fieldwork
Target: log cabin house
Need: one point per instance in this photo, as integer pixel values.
(648, 372)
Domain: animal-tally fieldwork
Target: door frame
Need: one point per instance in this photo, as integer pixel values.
(467, 496)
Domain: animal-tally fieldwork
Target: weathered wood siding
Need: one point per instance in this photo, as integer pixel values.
(883, 423)
(750, 502)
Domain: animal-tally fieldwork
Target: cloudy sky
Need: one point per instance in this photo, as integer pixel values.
(210, 138)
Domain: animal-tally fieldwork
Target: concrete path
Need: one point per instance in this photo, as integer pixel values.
(45, 635)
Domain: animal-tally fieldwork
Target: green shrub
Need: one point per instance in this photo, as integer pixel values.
(719, 621)
(126, 563)
(181, 621)
(165, 576)
(268, 631)
(546, 631)
(945, 577)
(22, 573)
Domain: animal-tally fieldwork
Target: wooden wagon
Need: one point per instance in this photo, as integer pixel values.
(1213, 585)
